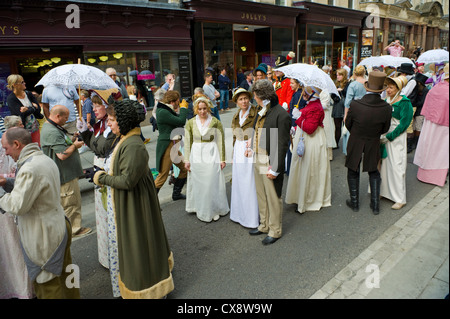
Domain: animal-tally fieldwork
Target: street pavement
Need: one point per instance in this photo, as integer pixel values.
(332, 254)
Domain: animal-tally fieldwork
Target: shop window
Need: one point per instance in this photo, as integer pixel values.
(151, 67)
(319, 44)
(352, 47)
(218, 48)
(281, 42)
(5, 71)
(301, 44)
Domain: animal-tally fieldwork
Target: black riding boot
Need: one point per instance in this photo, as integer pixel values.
(353, 186)
(375, 183)
(177, 187)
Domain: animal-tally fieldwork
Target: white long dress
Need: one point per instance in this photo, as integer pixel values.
(244, 203)
(393, 168)
(206, 191)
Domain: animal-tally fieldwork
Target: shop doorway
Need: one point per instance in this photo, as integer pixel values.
(251, 46)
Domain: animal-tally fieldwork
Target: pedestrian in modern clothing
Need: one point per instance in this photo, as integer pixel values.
(269, 146)
(393, 166)
(169, 85)
(244, 203)
(432, 153)
(248, 81)
(338, 112)
(170, 124)
(63, 150)
(45, 234)
(205, 161)
(224, 88)
(112, 73)
(24, 104)
(355, 91)
(309, 184)
(145, 261)
(88, 111)
(212, 94)
(367, 119)
(67, 96)
(395, 48)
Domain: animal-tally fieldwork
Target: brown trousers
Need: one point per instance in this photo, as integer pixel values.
(166, 164)
(269, 204)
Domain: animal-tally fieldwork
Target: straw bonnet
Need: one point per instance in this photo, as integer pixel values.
(399, 81)
(239, 92)
(376, 82)
(105, 95)
(312, 90)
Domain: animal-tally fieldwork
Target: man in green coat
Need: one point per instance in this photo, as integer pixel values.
(170, 125)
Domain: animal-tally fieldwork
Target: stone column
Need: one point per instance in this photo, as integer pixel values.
(419, 35)
(436, 43)
(411, 38)
(424, 37)
(386, 24)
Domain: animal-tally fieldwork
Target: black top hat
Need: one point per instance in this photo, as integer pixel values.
(406, 68)
(283, 60)
(419, 77)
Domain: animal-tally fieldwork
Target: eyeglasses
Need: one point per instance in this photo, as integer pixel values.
(111, 75)
(23, 82)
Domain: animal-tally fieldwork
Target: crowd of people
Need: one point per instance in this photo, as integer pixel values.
(281, 129)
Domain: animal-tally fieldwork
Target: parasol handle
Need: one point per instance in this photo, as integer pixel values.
(80, 113)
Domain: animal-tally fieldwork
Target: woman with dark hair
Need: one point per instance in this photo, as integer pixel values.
(145, 260)
(338, 108)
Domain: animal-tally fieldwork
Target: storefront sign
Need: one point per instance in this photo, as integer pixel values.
(366, 51)
(9, 30)
(185, 74)
(337, 19)
(253, 17)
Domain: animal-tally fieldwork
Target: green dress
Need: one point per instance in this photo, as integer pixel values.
(145, 258)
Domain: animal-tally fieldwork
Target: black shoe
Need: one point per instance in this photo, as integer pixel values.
(255, 232)
(269, 240)
(177, 187)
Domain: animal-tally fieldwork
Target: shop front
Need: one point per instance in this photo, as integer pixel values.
(328, 35)
(37, 36)
(239, 35)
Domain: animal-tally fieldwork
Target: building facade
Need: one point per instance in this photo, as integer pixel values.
(127, 35)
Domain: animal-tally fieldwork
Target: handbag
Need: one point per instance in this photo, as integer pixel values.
(31, 124)
(301, 144)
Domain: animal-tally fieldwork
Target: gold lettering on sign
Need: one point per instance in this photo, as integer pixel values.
(9, 30)
(253, 16)
(337, 19)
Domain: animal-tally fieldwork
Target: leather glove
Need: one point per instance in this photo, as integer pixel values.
(184, 104)
(296, 113)
(82, 125)
(90, 172)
